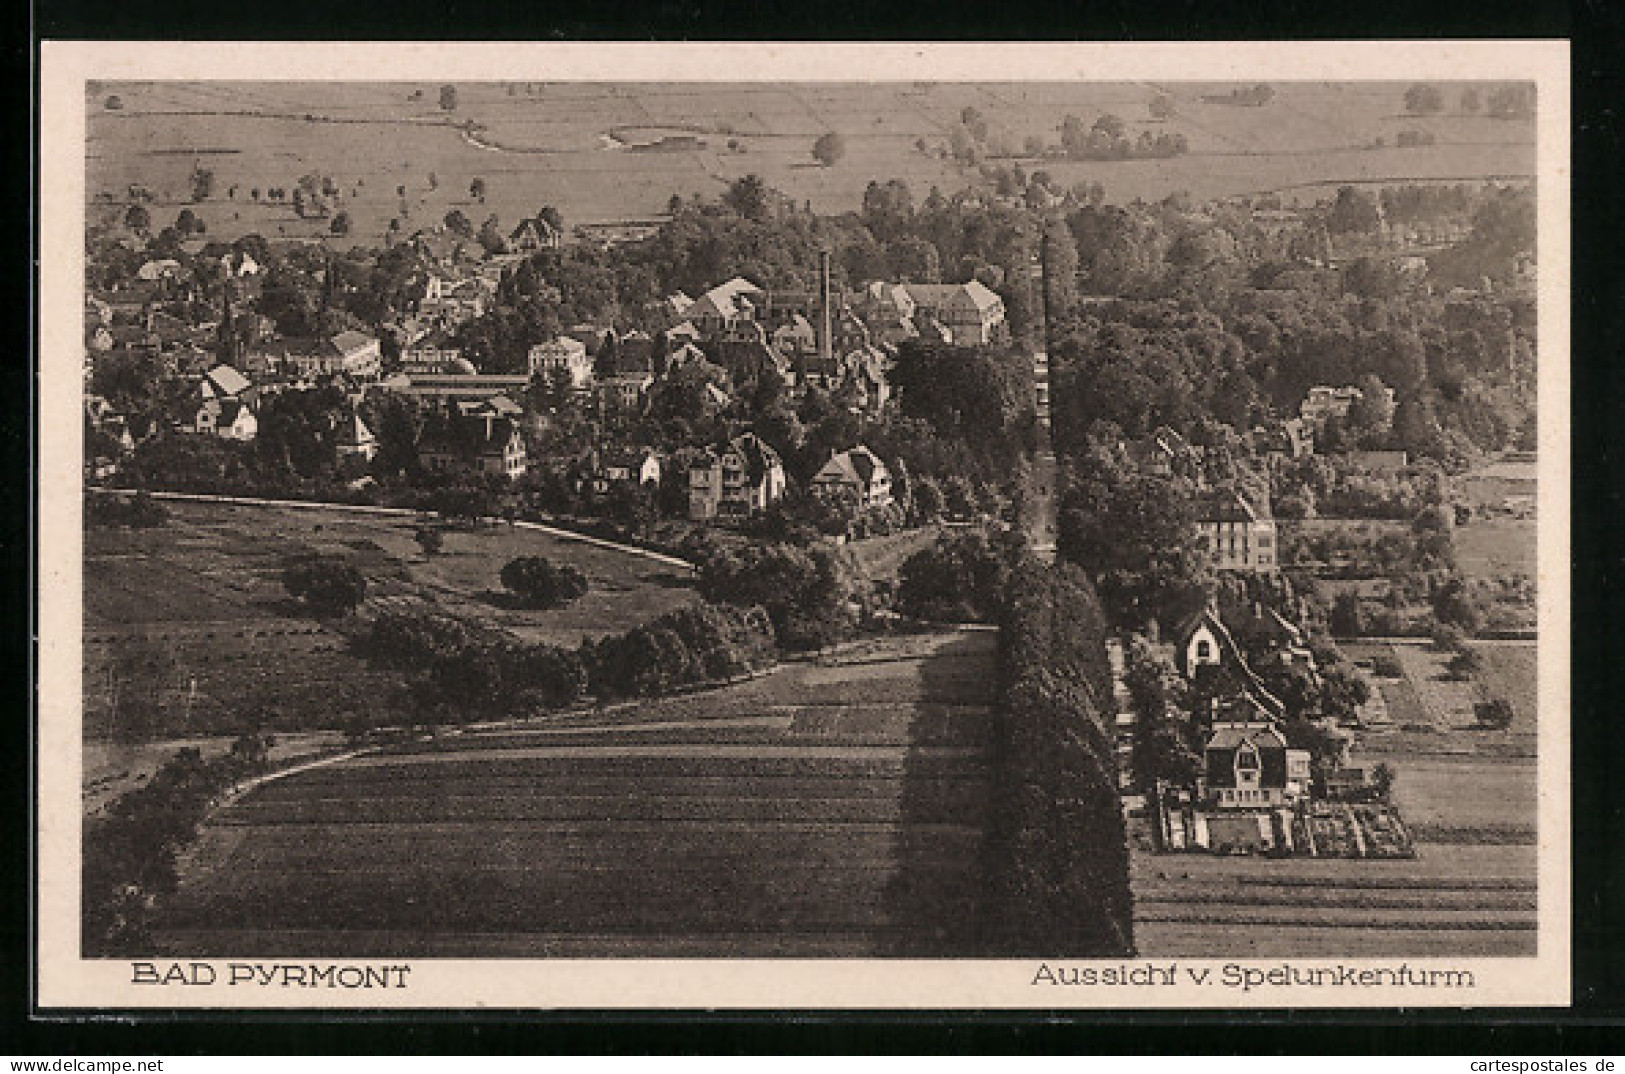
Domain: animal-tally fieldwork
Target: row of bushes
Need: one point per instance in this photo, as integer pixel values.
(130, 850)
(1057, 848)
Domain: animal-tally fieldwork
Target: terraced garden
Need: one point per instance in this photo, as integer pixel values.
(828, 809)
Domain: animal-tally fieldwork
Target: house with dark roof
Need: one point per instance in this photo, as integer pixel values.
(731, 483)
(1248, 765)
(472, 445)
(1239, 534)
(859, 472)
(533, 234)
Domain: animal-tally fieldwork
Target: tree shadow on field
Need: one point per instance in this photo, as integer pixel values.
(934, 900)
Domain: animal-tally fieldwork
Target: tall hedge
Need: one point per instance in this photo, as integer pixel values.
(1057, 850)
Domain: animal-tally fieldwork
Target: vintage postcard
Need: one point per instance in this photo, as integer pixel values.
(803, 526)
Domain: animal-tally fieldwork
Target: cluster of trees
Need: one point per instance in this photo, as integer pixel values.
(1136, 535)
(1422, 99)
(709, 643)
(1107, 139)
(130, 849)
(1057, 854)
(1166, 749)
(329, 585)
(540, 583)
(813, 596)
(463, 671)
(961, 578)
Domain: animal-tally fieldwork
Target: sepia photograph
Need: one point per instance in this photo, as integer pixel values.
(906, 528)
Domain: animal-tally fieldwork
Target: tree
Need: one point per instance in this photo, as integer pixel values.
(1162, 106)
(1059, 254)
(187, 224)
(540, 583)
(748, 196)
(137, 219)
(961, 579)
(1347, 620)
(1495, 714)
(430, 539)
(1422, 99)
(459, 224)
(1454, 605)
(329, 585)
(829, 148)
(448, 98)
(1466, 663)
(1372, 415)
(1353, 212)
(113, 103)
(341, 223)
(491, 238)
(202, 184)
(476, 189)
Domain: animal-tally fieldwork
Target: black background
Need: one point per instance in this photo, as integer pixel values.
(1591, 1028)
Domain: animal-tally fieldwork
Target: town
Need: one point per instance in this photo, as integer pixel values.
(1222, 510)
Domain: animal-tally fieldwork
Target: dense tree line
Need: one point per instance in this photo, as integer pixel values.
(1057, 856)
(130, 849)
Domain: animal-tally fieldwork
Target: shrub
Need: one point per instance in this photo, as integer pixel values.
(1495, 714)
(1447, 638)
(1387, 666)
(329, 585)
(1347, 620)
(1466, 663)
(540, 583)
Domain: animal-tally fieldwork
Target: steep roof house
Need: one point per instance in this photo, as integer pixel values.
(533, 234)
(229, 419)
(731, 483)
(356, 441)
(1203, 641)
(1247, 765)
(860, 472)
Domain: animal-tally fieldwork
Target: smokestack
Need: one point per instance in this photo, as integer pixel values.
(825, 344)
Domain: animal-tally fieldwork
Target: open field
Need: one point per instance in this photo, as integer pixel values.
(592, 149)
(781, 817)
(1500, 539)
(205, 591)
(1439, 709)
